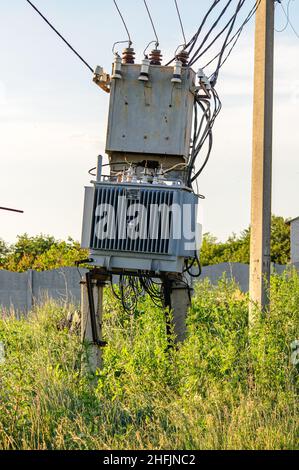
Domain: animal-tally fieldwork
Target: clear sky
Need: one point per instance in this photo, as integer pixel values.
(53, 118)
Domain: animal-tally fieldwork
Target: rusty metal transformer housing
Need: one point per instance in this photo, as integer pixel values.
(150, 119)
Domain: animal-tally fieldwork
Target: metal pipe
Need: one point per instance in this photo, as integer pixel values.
(99, 167)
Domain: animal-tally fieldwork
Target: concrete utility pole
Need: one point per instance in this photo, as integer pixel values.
(260, 261)
(177, 298)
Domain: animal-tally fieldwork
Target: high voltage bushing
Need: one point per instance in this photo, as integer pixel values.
(117, 74)
(144, 73)
(183, 57)
(128, 56)
(156, 57)
(177, 72)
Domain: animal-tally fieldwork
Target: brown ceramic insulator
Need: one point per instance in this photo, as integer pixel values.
(183, 56)
(155, 57)
(128, 56)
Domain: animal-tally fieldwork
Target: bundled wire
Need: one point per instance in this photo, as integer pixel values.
(203, 42)
(208, 35)
(190, 266)
(232, 41)
(131, 288)
(226, 30)
(202, 132)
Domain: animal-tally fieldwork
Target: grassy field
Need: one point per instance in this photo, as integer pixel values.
(222, 389)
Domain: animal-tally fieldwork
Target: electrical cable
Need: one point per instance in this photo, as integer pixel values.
(229, 26)
(196, 55)
(287, 14)
(192, 42)
(202, 132)
(152, 23)
(131, 288)
(236, 35)
(231, 37)
(196, 36)
(60, 35)
(181, 22)
(199, 268)
(287, 18)
(216, 73)
(125, 25)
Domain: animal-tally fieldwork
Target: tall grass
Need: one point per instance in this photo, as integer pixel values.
(221, 389)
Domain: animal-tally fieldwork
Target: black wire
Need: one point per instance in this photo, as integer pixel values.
(230, 38)
(61, 37)
(238, 33)
(196, 147)
(118, 297)
(201, 136)
(180, 20)
(126, 292)
(189, 266)
(234, 39)
(239, 6)
(124, 23)
(218, 106)
(210, 135)
(195, 37)
(229, 26)
(131, 288)
(152, 22)
(199, 268)
(195, 56)
(192, 42)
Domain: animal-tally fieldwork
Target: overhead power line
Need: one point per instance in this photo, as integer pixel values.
(181, 22)
(124, 23)
(227, 38)
(234, 39)
(287, 18)
(152, 22)
(11, 210)
(208, 35)
(60, 35)
(287, 14)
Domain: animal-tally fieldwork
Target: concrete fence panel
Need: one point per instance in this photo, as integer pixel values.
(20, 291)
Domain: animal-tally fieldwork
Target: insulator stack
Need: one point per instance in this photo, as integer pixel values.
(117, 74)
(128, 56)
(183, 57)
(177, 72)
(156, 57)
(144, 73)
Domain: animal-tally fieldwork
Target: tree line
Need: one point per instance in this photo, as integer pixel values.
(44, 252)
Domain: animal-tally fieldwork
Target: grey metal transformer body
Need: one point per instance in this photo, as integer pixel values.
(167, 230)
(135, 220)
(152, 118)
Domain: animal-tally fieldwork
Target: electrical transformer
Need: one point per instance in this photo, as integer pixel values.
(150, 119)
(143, 216)
(141, 227)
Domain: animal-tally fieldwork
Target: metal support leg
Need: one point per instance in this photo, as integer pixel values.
(167, 285)
(91, 321)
